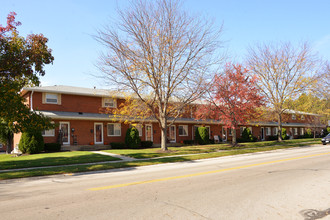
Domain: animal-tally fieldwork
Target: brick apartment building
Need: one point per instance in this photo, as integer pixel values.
(77, 114)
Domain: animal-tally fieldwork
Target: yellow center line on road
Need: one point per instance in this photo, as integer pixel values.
(203, 173)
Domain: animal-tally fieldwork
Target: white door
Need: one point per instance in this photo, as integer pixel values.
(65, 129)
(224, 134)
(172, 134)
(149, 133)
(98, 133)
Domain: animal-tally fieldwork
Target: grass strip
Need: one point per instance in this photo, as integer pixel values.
(197, 149)
(109, 166)
(7, 161)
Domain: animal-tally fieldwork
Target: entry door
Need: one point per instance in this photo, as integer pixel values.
(224, 134)
(98, 133)
(65, 129)
(172, 134)
(262, 133)
(149, 133)
(194, 131)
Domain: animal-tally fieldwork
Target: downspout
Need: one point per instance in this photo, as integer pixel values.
(31, 100)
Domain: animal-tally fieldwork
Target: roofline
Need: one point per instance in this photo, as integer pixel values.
(30, 89)
(192, 121)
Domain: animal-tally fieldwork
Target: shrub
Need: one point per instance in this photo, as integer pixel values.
(132, 139)
(284, 134)
(272, 138)
(308, 133)
(31, 143)
(52, 147)
(211, 141)
(202, 135)
(247, 136)
(188, 141)
(117, 145)
(146, 144)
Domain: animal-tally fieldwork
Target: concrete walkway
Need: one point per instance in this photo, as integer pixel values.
(123, 158)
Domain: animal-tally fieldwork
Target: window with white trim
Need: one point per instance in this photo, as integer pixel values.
(293, 117)
(109, 102)
(139, 128)
(183, 130)
(302, 117)
(48, 133)
(51, 98)
(268, 131)
(295, 131)
(230, 132)
(275, 131)
(302, 131)
(241, 130)
(114, 129)
(208, 128)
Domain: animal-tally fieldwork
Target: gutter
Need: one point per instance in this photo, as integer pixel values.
(31, 100)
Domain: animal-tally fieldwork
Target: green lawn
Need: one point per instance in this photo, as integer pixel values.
(155, 152)
(51, 159)
(217, 150)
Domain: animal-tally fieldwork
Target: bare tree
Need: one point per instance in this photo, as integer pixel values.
(284, 73)
(162, 55)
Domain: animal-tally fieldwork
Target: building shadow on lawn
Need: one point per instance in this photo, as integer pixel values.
(27, 162)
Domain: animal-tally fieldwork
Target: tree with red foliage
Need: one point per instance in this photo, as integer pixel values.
(232, 98)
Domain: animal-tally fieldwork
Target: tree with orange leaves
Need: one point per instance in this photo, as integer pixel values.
(22, 61)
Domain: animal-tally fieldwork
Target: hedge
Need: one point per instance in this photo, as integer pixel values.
(52, 147)
(146, 144)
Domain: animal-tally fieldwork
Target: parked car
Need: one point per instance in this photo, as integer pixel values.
(326, 139)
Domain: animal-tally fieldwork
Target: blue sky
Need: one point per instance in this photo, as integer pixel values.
(69, 26)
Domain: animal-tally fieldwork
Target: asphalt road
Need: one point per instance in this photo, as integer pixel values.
(283, 184)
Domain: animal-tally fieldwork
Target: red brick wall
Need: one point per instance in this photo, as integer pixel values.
(71, 103)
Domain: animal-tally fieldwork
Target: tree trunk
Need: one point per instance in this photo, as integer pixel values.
(234, 142)
(163, 141)
(279, 133)
(9, 142)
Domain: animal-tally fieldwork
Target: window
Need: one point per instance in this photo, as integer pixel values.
(139, 128)
(251, 130)
(51, 98)
(302, 131)
(230, 132)
(114, 129)
(183, 130)
(302, 117)
(293, 117)
(48, 133)
(208, 130)
(242, 129)
(275, 131)
(109, 102)
(268, 131)
(295, 131)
